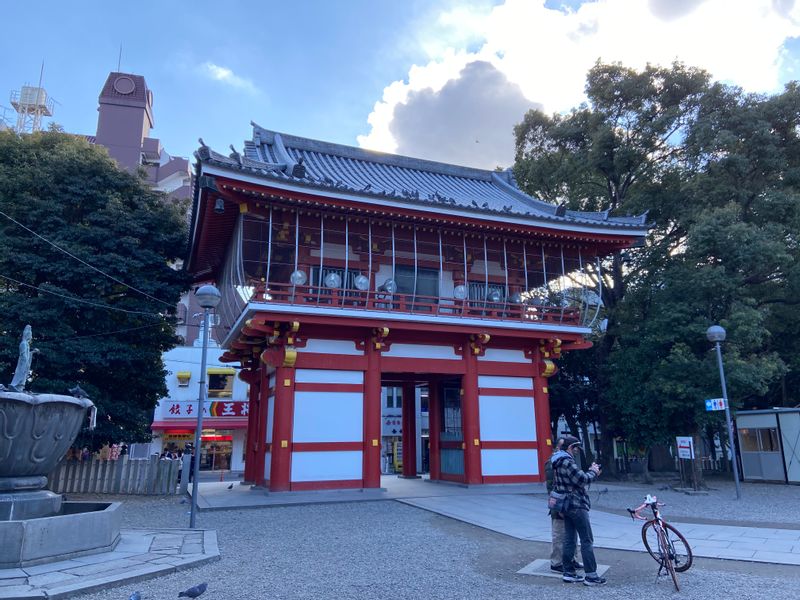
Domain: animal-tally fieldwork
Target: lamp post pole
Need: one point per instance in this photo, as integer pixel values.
(717, 334)
(208, 297)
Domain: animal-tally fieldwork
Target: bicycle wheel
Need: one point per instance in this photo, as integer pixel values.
(667, 562)
(679, 550)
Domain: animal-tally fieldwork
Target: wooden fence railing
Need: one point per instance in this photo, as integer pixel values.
(145, 476)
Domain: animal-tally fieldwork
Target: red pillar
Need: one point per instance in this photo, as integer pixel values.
(253, 379)
(541, 404)
(283, 417)
(260, 427)
(469, 418)
(434, 428)
(372, 418)
(409, 430)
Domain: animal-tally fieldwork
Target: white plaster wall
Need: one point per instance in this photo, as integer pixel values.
(479, 267)
(510, 462)
(328, 376)
(501, 355)
(504, 382)
(326, 466)
(384, 273)
(334, 251)
(267, 464)
(507, 418)
(420, 351)
(332, 347)
(446, 285)
(270, 417)
(328, 417)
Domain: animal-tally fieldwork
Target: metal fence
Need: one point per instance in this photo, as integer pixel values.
(147, 476)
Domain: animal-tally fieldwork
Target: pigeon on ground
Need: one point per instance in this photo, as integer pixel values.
(194, 592)
(135, 596)
(184, 501)
(230, 487)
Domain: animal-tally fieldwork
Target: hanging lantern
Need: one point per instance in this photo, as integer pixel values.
(361, 282)
(298, 277)
(333, 280)
(389, 286)
(494, 296)
(460, 292)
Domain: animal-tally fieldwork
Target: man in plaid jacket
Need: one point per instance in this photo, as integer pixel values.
(568, 478)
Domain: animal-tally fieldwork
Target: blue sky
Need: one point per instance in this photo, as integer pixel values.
(442, 79)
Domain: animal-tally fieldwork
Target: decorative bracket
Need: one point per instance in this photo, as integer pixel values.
(478, 343)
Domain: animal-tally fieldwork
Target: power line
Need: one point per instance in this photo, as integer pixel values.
(81, 337)
(81, 300)
(57, 247)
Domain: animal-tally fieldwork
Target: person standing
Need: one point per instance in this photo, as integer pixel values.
(557, 521)
(568, 478)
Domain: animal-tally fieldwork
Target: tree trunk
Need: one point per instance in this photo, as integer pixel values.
(646, 477)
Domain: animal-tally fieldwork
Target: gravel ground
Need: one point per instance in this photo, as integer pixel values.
(390, 550)
(761, 504)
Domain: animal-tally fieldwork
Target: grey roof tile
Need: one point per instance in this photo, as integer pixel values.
(274, 155)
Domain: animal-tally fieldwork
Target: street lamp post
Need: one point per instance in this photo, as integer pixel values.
(716, 334)
(208, 297)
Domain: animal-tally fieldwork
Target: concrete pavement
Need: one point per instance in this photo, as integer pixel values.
(525, 517)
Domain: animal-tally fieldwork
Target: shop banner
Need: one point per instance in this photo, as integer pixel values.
(181, 410)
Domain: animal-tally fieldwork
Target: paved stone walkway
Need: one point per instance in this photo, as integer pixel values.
(140, 554)
(525, 517)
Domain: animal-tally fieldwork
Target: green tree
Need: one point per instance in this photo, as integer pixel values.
(718, 170)
(615, 153)
(91, 330)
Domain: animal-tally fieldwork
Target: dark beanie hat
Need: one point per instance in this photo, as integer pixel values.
(570, 440)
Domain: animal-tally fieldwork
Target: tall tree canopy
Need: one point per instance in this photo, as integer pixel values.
(717, 169)
(91, 330)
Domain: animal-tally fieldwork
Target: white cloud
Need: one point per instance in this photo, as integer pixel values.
(547, 52)
(228, 77)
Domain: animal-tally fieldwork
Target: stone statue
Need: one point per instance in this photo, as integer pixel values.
(24, 362)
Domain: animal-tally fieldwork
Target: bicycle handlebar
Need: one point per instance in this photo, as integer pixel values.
(651, 501)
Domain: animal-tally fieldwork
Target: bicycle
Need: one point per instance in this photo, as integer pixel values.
(663, 542)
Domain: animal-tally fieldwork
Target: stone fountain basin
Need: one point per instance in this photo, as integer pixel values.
(79, 528)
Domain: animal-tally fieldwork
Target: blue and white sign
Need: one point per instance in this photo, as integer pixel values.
(715, 404)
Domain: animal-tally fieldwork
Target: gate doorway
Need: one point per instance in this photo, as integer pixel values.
(422, 430)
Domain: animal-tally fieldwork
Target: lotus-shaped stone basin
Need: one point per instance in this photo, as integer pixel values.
(36, 430)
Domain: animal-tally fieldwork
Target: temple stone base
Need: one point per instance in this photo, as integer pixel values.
(18, 506)
(78, 528)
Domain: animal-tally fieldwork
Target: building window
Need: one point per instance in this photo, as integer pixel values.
(220, 382)
(394, 397)
(427, 281)
(759, 440)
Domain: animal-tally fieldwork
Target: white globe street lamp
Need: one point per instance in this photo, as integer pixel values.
(716, 334)
(208, 297)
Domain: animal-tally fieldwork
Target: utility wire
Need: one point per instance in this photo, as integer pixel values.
(57, 247)
(81, 300)
(81, 337)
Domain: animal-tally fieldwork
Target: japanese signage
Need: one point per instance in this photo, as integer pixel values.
(392, 425)
(181, 410)
(715, 404)
(685, 447)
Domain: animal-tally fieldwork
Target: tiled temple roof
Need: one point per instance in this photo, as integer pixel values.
(345, 169)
